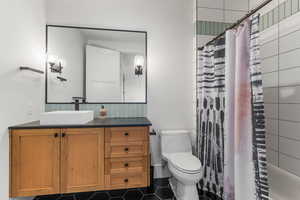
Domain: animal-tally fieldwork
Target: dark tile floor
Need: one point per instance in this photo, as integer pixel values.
(161, 191)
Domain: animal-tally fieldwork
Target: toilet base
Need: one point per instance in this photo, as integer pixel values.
(183, 191)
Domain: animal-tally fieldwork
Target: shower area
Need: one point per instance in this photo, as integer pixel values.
(279, 39)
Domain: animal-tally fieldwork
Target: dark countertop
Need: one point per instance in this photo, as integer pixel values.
(96, 123)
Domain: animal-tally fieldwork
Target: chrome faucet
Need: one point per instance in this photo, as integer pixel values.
(77, 103)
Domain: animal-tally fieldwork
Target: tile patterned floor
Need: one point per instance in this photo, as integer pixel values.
(161, 191)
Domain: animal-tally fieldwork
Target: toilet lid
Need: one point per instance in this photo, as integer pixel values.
(185, 162)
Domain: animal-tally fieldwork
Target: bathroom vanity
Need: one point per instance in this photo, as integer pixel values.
(103, 154)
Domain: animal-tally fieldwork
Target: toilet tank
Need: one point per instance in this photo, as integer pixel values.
(175, 141)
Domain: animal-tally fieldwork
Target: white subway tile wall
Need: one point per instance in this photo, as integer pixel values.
(289, 164)
(281, 80)
(214, 15)
(289, 130)
(241, 5)
(270, 79)
(216, 4)
(289, 147)
(271, 95)
(272, 157)
(219, 14)
(290, 94)
(272, 142)
(231, 16)
(269, 64)
(272, 126)
(271, 110)
(280, 60)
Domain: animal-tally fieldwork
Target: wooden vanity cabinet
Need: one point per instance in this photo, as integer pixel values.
(82, 160)
(127, 157)
(34, 162)
(53, 161)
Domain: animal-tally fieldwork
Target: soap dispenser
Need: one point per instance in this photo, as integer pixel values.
(103, 113)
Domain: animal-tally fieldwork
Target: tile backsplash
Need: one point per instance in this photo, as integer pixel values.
(114, 110)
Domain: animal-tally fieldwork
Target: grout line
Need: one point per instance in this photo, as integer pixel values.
(282, 103)
(270, 149)
(282, 86)
(290, 156)
(280, 37)
(222, 9)
(288, 138)
(157, 196)
(278, 83)
(280, 70)
(271, 133)
(281, 53)
(289, 171)
(284, 120)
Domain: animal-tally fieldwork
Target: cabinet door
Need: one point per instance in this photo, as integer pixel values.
(34, 162)
(82, 160)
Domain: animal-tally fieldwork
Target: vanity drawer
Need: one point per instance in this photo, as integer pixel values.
(129, 149)
(126, 165)
(133, 180)
(126, 134)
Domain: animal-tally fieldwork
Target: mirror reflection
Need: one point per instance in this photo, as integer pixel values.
(102, 66)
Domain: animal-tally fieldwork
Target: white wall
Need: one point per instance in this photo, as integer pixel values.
(22, 94)
(134, 85)
(66, 44)
(170, 47)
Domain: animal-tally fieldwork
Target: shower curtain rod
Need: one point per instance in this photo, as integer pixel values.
(238, 22)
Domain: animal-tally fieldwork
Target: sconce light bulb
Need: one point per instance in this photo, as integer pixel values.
(139, 60)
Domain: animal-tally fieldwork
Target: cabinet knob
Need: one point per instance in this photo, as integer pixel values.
(126, 134)
(56, 135)
(126, 180)
(126, 149)
(63, 134)
(126, 165)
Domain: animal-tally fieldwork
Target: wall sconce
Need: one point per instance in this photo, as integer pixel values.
(56, 65)
(138, 65)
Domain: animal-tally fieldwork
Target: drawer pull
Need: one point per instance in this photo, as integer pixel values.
(126, 134)
(126, 149)
(126, 165)
(126, 180)
(56, 135)
(63, 134)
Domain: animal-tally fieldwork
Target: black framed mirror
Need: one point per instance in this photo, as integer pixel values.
(103, 66)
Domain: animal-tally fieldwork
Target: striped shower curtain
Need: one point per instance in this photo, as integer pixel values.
(231, 135)
(211, 96)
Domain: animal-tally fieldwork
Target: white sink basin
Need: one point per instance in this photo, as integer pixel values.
(66, 117)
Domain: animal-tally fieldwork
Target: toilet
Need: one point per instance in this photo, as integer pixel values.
(185, 168)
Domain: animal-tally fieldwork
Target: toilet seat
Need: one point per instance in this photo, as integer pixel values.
(185, 162)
